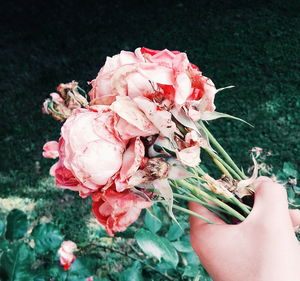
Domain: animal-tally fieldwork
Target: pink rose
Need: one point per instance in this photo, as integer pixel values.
(158, 75)
(97, 146)
(90, 151)
(66, 256)
(117, 210)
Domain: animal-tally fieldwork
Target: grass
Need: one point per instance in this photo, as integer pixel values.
(252, 45)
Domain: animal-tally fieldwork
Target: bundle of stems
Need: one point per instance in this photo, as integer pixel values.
(205, 190)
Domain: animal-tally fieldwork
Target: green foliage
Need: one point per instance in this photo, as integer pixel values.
(133, 273)
(290, 170)
(16, 262)
(39, 261)
(183, 246)
(79, 269)
(46, 237)
(152, 222)
(16, 225)
(191, 271)
(2, 227)
(175, 231)
(156, 247)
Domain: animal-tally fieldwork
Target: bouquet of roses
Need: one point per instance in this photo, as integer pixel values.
(138, 140)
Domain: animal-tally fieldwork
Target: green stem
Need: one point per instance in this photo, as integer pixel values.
(218, 202)
(222, 151)
(234, 200)
(221, 167)
(216, 156)
(193, 198)
(196, 200)
(243, 206)
(212, 208)
(200, 171)
(189, 212)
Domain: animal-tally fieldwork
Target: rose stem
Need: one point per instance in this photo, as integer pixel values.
(217, 157)
(193, 198)
(215, 200)
(243, 206)
(234, 200)
(210, 207)
(222, 168)
(222, 151)
(189, 212)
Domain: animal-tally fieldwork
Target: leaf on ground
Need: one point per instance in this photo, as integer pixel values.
(81, 268)
(191, 258)
(16, 262)
(190, 271)
(47, 238)
(156, 247)
(152, 222)
(133, 273)
(174, 232)
(16, 225)
(183, 246)
(2, 227)
(290, 170)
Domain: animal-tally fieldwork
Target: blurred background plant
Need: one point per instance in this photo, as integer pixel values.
(252, 45)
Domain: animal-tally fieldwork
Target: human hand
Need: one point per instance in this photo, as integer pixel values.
(261, 248)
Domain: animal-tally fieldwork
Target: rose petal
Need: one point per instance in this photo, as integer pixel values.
(189, 156)
(50, 149)
(160, 118)
(129, 111)
(163, 186)
(132, 158)
(156, 73)
(183, 88)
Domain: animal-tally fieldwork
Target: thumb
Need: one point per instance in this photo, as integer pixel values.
(270, 200)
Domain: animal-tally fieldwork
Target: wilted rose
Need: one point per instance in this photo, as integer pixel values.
(117, 210)
(92, 150)
(165, 77)
(61, 105)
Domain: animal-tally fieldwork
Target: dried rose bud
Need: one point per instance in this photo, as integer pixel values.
(69, 92)
(157, 168)
(57, 110)
(62, 104)
(154, 168)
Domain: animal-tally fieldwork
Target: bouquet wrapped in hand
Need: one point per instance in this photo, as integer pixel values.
(138, 140)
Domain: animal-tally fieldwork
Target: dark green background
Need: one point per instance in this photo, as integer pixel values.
(253, 45)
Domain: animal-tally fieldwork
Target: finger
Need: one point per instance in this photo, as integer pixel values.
(295, 217)
(270, 200)
(201, 210)
(269, 194)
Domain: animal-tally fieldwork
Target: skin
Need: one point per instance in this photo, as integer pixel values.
(262, 248)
